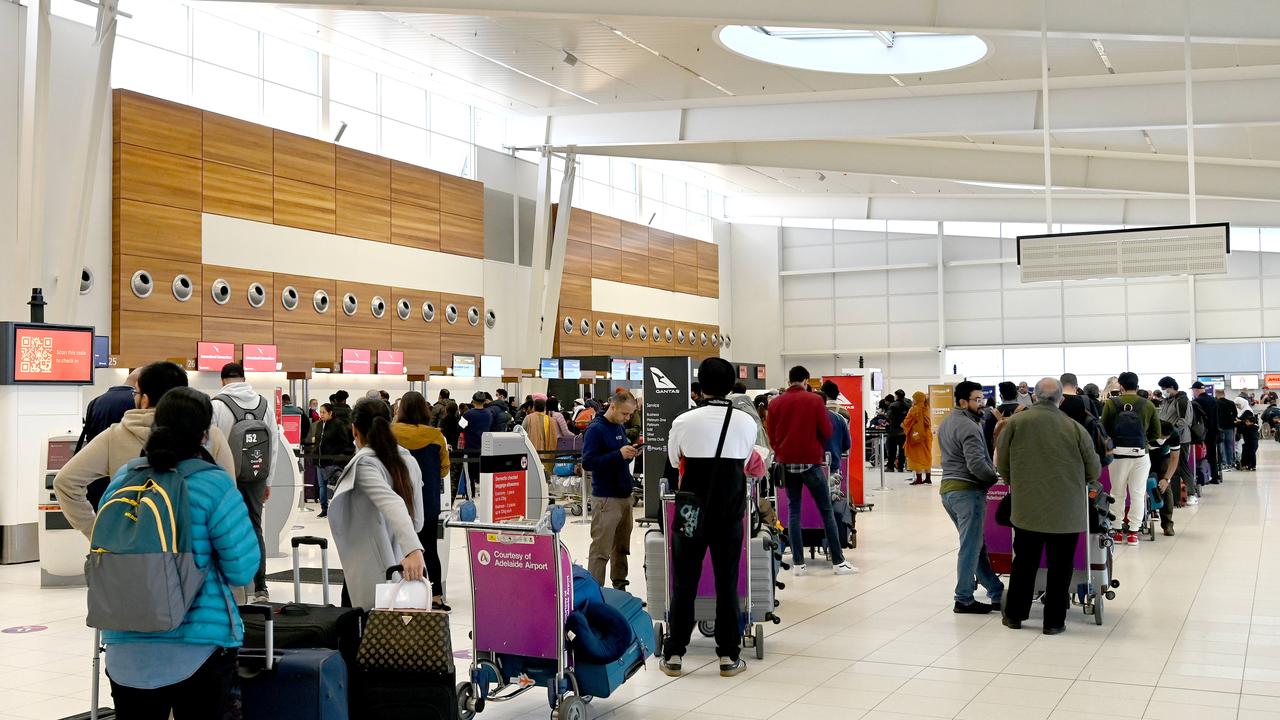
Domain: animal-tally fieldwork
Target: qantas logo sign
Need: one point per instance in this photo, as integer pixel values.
(661, 383)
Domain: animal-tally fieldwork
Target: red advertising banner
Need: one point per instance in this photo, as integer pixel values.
(211, 356)
(356, 361)
(259, 358)
(1271, 381)
(510, 496)
(47, 355)
(390, 362)
(850, 399)
(292, 425)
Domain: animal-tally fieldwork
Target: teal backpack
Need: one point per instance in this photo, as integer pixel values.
(141, 572)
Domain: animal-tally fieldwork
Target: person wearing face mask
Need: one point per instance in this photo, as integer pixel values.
(122, 442)
(967, 473)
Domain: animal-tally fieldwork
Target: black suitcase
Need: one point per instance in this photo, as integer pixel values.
(298, 625)
(96, 711)
(297, 683)
(391, 696)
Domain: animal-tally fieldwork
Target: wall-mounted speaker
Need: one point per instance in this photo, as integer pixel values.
(451, 313)
(428, 311)
(289, 298)
(715, 340)
(473, 316)
(490, 319)
(378, 306)
(350, 304)
(220, 290)
(644, 333)
(656, 333)
(668, 335)
(86, 280)
(703, 337)
(403, 309)
(257, 295)
(615, 330)
(680, 337)
(631, 331)
(320, 301)
(142, 283)
(182, 288)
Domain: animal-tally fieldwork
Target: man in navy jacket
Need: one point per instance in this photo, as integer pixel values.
(607, 454)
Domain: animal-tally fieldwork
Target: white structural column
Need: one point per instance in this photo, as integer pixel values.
(544, 283)
(1191, 176)
(31, 147)
(943, 370)
(555, 273)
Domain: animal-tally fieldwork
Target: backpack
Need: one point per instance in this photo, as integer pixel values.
(1199, 420)
(250, 440)
(141, 573)
(1128, 431)
(584, 418)
(1101, 441)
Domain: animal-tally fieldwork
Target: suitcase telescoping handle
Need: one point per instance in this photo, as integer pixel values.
(268, 630)
(323, 544)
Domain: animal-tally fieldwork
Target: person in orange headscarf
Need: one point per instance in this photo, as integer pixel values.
(919, 445)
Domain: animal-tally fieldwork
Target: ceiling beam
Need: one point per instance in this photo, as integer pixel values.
(1227, 21)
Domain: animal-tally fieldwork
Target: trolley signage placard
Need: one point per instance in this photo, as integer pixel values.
(514, 591)
(504, 487)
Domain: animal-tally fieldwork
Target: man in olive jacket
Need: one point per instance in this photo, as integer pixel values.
(1048, 460)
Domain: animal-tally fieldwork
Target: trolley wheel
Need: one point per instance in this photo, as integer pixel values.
(571, 708)
(576, 510)
(1151, 531)
(707, 628)
(466, 700)
(1110, 594)
(759, 641)
(1097, 609)
(658, 639)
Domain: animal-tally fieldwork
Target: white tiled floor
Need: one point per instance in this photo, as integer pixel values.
(1194, 632)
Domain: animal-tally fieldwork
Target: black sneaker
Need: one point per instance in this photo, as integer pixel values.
(672, 666)
(729, 668)
(1011, 624)
(973, 608)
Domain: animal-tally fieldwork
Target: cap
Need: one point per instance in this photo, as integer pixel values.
(1197, 385)
(478, 397)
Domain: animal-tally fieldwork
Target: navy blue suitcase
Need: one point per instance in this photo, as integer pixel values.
(601, 680)
(299, 684)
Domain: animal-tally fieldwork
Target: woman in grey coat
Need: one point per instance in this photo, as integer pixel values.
(376, 510)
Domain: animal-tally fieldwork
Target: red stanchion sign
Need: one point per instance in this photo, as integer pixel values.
(510, 499)
(850, 399)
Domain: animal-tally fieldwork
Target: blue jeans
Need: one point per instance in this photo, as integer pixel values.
(1229, 447)
(968, 510)
(821, 493)
(325, 475)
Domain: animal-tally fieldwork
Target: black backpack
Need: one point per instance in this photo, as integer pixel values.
(1128, 431)
(1101, 441)
(1199, 423)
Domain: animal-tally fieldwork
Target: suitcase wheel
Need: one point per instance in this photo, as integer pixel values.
(707, 628)
(467, 706)
(571, 707)
(759, 641)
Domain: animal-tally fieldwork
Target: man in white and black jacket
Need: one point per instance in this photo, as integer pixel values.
(710, 445)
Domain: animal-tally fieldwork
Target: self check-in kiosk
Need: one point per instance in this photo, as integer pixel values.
(62, 547)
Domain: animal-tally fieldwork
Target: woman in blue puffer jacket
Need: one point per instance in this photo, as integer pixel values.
(188, 670)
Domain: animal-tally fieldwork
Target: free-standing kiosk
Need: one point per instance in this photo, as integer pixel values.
(62, 547)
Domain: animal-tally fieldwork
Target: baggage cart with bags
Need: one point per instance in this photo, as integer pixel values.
(812, 527)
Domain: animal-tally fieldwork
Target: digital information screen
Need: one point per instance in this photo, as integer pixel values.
(549, 369)
(491, 366)
(572, 369)
(464, 366)
(48, 354)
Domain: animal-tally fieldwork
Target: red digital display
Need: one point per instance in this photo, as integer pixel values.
(54, 356)
(356, 361)
(211, 356)
(742, 372)
(760, 372)
(390, 362)
(259, 358)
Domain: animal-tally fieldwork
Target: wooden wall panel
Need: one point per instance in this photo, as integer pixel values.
(305, 312)
(708, 255)
(461, 235)
(606, 231)
(158, 124)
(451, 345)
(363, 316)
(606, 263)
(158, 177)
(159, 231)
(302, 345)
(460, 196)
(306, 159)
(237, 192)
(363, 216)
(303, 205)
(686, 251)
(577, 258)
(421, 349)
(635, 268)
(686, 278)
(463, 303)
(237, 305)
(580, 226)
(708, 282)
(146, 336)
(415, 185)
(662, 274)
(635, 238)
(662, 245)
(363, 338)
(161, 299)
(364, 173)
(416, 323)
(634, 345)
(236, 142)
(575, 290)
(415, 226)
(254, 332)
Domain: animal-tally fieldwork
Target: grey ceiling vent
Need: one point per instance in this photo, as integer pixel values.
(403, 309)
(289, 298)
(567, 325)
(1143, 252)
(320, 301)
(257, 295)
(631, 331)
(182, 288)
(644, 333)
(473, 316)
(220, 291)
(142, 284)
(600, 328)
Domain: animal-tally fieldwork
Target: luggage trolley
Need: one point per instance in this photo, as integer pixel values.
(756, 578)
(812, 526)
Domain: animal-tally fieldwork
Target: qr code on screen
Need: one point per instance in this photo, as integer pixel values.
(36, 355)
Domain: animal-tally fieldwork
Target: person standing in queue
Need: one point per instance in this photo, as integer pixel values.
(710, 444)
(1049, 461)
(376, 511)
(607, 453)
(427, 445)
(475, 423)
(799, 429)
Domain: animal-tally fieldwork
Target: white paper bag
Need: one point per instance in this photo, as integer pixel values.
(415, 595)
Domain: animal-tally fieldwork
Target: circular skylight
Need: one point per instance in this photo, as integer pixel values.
(859, 52)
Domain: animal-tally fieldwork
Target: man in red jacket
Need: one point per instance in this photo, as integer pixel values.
(798, 431)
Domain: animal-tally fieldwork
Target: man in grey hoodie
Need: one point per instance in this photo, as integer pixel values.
(236, 390)
(967, 472)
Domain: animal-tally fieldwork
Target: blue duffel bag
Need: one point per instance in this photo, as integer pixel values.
(601, 679)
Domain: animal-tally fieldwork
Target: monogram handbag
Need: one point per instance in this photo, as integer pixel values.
(406, 640)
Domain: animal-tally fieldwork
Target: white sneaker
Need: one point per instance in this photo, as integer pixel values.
(672, 666)
(1193, 500)
(798, 570)
(845, 568)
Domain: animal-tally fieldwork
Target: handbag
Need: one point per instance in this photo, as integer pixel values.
(1004, 511)
(406, 640)
(689, 509)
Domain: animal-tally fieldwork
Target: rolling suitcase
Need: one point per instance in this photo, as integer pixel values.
(764, 575)
(600, 680)
(298, 625)
(96, 711)
(300, 684)
(655, 573)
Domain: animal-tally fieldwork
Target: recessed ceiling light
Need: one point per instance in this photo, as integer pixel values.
(859, 52)
(895, 182)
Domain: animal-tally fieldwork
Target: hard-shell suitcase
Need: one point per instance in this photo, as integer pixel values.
(299, 625)
(392, 696)
(764, 574)
(300, 684)
(655, 573)
(600, 680)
